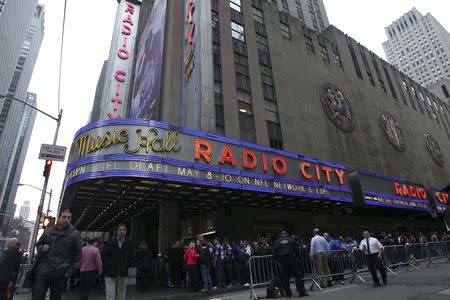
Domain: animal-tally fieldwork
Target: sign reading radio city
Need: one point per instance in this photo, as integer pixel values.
(393, 192)
(120, 61)
(142, 148)
(440, 198)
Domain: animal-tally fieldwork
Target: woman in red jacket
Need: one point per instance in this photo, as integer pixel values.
(191, 259)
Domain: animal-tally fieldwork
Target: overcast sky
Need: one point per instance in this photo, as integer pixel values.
(89, 26)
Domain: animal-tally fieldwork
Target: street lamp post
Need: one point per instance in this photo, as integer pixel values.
(44, 187)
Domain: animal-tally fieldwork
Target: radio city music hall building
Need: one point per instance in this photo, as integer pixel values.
(232, 118)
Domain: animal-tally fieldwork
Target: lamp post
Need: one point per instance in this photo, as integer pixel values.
(44, 187)
(35, 187)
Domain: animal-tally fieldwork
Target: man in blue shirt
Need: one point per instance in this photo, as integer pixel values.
(337, 253)
(319, 253)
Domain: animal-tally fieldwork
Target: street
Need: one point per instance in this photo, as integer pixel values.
(431, 284)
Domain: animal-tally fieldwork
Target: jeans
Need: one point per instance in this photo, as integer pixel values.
(87, 282)
(116, 286)
(43, 282)
(192, 278)
(220, 274)
(229, 271)
(206, 277)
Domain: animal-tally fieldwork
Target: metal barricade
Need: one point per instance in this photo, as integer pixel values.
(359, 264)
(437, 251)
(417, 253)
(24, 268)
(396, 256)
(309, 270)
(264, 269)
(340, 263)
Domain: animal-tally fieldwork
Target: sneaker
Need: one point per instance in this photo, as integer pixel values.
(214, 287)
(342, 282)
(203, 290)
(247, 284)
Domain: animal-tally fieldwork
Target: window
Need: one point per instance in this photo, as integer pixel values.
(237, 31)
(275, 136)
(445, 91)
(391, 86)
(284, 25)
(242, 82)
(309, 44)
(324, 53)
(247, 127)
(236, 5)
(354, 59)
(243, 96)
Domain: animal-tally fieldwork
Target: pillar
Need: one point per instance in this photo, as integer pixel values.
(169, 223)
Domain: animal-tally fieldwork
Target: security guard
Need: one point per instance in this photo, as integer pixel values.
(286, 253)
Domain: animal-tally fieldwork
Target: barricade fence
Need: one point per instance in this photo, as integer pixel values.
(324, 268)
(24, 268)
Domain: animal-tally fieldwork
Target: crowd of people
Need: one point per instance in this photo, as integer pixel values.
(197, 265)
(218, 263)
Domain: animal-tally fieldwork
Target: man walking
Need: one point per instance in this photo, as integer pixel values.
(117, 258)
(286, 253)
(9, 262)
(319, 252)
(59, 254)
(374, 254)
(91, 267)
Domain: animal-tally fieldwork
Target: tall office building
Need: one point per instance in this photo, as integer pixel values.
(17, 119)
(25, 210)
(312, 13)
(15, 18)
(419, 47)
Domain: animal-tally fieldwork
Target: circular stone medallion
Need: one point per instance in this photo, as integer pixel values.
(337, 107)
(392, 131)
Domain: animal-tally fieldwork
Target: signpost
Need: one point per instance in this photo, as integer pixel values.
(53, 152)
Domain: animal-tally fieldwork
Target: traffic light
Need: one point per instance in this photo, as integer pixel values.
(48, 222)
(47, 167)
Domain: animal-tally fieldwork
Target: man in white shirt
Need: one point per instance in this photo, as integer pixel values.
(373, 251)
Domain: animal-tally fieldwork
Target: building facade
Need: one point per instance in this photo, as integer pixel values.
(15, 18)
(441, 89)
(24, 212)
(256, 128)
(312, 13)
(419, 46)
(17, 119)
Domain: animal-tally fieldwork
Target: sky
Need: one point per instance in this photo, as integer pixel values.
(88, 32)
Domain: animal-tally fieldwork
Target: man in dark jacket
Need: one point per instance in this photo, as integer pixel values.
(9, 261)
(59, 254)
(286, 253)
(117, 258)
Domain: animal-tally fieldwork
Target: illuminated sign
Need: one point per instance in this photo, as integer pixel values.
(120, 62)
(157, 150)
(393, 192)
(441, 199)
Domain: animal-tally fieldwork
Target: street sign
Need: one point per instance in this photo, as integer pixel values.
(53, 152)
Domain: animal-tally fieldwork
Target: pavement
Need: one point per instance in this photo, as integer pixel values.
(429, 284)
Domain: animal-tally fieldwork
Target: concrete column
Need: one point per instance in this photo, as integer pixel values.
(169, 223)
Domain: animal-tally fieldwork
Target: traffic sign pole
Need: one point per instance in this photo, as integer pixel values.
(44, 191)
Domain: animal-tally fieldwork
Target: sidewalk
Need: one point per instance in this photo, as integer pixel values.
(153, 294)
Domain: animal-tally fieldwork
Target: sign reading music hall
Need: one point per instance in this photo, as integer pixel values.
(157, 149)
